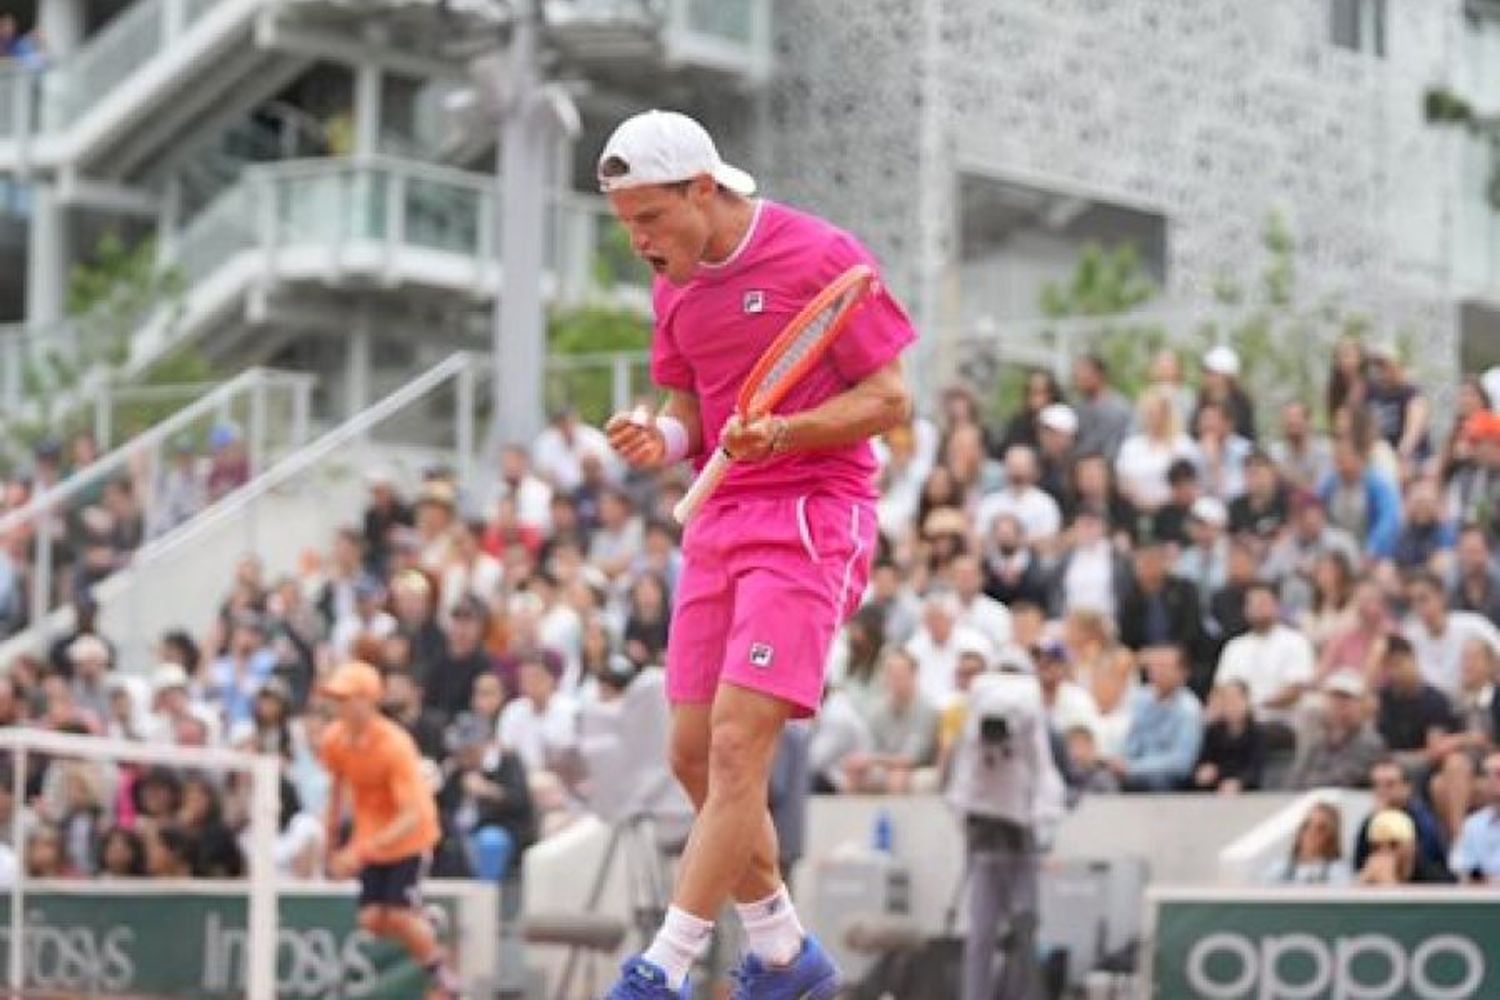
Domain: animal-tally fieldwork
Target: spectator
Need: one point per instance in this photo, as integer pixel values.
(1104, 416)
(1426, 540)
(620, 536)
(540, 725)
(938, 644)
(414, 602)
(1317, 855)
(271, 725)
(1024, 427)
(1166, 727)
(1304, 457)
(436, 516)
(169, 853)
(660, 555)
(1341, 745)
(216, 853)
(1477, 707)
(90, 658)
(1221, 388)
(451, 680)
(1170, 522)
(235, 677)
(1059, 433)
(1232, 758)
(1348, 381)
(1261, 511)
(1107, 671)
(1069, 706)
(1476, 853)
(1012, 570)
(531, 497)
(335, 599)
(369, 621)
(45, 855)
(840, 733)
(1023, 499)
(301, 841)
(1362, 501)
(903, 732)
(903, 470)
(1160, 607)
(1398, 407)
(1332, 608)
(181, 489)
(1291, 561)
(1220, 454)
(229, 462)
(1439, 635)
(1476, 580)
(1226, 606)
(1093, 487)
(1393, 857)
(403, 704)
(1206, 561)
(559, 450)
(1146, 457)
(1474, 489)
(487, 699)
(1088, 773)
(854, 661)
(470, 569)
(1414, 715)
(174, 709)
(1091, 573)
(1394, 793)
(122, 854)
(891, 592)
(647, 623)
(1165, 371)
(385, 514)
(485, 799)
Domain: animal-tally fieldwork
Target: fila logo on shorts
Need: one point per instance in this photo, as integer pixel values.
(760, 654)
(755, 301)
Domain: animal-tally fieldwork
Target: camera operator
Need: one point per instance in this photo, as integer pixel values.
(1007, 788)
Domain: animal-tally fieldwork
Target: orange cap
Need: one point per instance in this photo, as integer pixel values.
(1483, 426)
(355, 680)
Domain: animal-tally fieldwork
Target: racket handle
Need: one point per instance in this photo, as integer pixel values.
(708, 480)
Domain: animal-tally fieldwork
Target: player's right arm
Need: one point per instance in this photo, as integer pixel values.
(642, 438)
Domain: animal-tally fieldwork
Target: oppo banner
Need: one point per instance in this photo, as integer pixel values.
(1337, 945)
(115, 942)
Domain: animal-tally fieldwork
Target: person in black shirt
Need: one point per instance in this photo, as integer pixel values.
(1042, 390)
(1261, 511)
(414, 601)
(451, 683)
(1159, 609)
(1399, 409)
(403, 704)
(1170, 522)
(385, 513)
(1233, 756)
(1221, 387)
(485, 802)
(1012, 571)
(1476, 583)
(1093, 487)
(1226, 607)
(1411, 710)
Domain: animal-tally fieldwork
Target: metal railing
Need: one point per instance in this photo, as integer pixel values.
(239, 510)
(244, 401)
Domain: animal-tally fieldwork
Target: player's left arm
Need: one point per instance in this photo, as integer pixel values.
(870, 407)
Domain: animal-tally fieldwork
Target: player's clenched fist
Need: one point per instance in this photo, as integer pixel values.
(635, 436)
(755, 441)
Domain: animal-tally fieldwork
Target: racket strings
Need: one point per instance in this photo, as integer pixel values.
(804, 342)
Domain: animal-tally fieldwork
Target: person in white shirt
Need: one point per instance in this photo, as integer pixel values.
(369, 619)
(978, 610)
(939, 643)
(1069, 705)
(532, 497)
(1023, 499)
(1438, 636)
(559, 450)
(541, 725)
(1141, 467)
(471, 571)
(1275, 663)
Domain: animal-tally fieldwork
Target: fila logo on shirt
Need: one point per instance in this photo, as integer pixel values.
(761, 654)
(755, 302)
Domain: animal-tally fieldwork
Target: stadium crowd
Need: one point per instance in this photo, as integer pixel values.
(1208, 603)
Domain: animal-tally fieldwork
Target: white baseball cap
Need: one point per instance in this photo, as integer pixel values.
(1222, 360)
(1210, 510)
(664, 147)
(1059, 417)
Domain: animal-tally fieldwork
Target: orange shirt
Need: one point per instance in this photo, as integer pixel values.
(382, 771)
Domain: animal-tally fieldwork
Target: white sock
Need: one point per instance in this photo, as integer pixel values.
(771, 926)
(682, 940)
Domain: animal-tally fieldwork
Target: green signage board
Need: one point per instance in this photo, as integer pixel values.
(1308, 946)
(111, 943)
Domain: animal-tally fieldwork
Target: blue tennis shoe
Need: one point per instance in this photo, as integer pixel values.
(811, 976)
(643, 980)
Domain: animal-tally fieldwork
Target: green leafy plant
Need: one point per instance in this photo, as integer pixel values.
(585, 383)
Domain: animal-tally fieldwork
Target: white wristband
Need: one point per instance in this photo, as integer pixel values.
(675, 433)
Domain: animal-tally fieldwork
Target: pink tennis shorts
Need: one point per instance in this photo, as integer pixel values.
(765, 584)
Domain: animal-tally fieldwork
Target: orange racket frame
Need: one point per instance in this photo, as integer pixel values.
(757, 400)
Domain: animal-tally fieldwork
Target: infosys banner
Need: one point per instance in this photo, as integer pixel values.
(1302, 944)
(115, 942)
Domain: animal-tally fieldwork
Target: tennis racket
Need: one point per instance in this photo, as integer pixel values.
(790, 357)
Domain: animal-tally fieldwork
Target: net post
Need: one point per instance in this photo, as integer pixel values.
(265, 807)
(16, 975)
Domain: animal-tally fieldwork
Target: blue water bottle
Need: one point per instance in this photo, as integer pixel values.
(883, 837)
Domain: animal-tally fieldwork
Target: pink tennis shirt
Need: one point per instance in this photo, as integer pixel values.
(711, 331)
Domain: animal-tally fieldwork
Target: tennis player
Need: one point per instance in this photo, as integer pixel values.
(395, 819)
(778, 556)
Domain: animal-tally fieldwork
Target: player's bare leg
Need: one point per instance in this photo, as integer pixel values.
(692, 728)
(413, 932)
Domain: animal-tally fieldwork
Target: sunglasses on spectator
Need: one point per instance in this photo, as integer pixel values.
(1385, 845)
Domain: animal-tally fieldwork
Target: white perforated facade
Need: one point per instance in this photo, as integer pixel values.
(1210, 115)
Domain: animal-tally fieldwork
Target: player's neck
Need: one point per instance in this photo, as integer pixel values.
(733, 220)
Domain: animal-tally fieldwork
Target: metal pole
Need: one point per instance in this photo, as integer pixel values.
(261, 953)
(103, 417)
(17, 974)
(301, 408)
(464, 424)
(620, 365)
(41, 583)
(521, 199)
